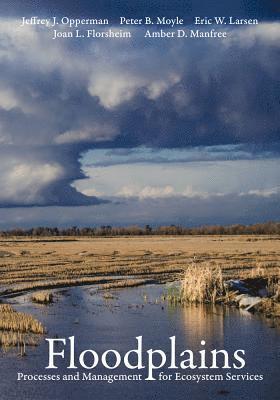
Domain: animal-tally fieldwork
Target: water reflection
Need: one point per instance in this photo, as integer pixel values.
(114, 323)
(203, 323)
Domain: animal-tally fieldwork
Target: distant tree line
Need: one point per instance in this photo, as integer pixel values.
(267, 228)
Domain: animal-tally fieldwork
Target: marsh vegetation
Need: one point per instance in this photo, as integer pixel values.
(257, 291)
(43, 297)
(35, 264)
(203, 263)
(18, 329)
(202, 285)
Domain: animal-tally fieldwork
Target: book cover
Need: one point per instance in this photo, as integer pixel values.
(139, 199)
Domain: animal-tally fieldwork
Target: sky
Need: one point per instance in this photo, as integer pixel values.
(137, 131)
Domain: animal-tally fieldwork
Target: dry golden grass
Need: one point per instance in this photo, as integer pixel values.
(13, 339)
(11, 320)
(202, 285)
(270, 308)
(126, 283)
(273, 280)
(18, 329)
(6, 308)
(274, 289)
(206, 285)
(43, 297)
(47, 263)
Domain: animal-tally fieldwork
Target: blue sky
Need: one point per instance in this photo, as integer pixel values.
(201, 172)
(139, 131)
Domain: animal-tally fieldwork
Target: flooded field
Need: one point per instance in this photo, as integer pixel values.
(107, 291)
(27, 264)
(112, 320)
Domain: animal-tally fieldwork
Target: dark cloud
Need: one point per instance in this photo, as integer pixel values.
(40, 176)
(226, 96)
(58, 100)
(115, 8)
(119, 156)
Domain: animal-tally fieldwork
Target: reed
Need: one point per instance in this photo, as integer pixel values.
(15, 339)
(273, 288)
(42, 297)
(202, 284)
(272, 279)
(6, 308)
(259, 271)
(11, 320)
(18, 329)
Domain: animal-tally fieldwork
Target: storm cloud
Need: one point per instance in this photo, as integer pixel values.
(59, 99)
(139, 8)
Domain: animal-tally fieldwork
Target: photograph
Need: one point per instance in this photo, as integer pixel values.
(139, 199)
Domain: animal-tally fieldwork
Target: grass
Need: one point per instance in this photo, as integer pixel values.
(15, 339)
(43, 297)
(108, 296)
(110, 281)
(28, 265)
(18, 329)
(46, 264)
(126, 283)
(202, 284)
(206, 285)
(273, 280)
(11, 320)
(274, 289)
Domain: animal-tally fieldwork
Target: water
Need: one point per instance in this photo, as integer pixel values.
(102, 324)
